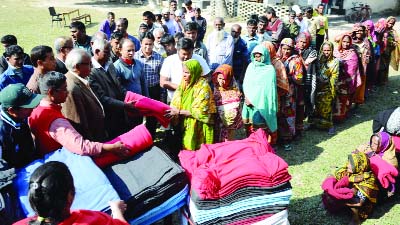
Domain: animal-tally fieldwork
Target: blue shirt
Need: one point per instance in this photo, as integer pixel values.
(106, 28)
(151, 67)
(132, 77)
(10, 77)
(251, 42)
(241, 58)
(135, 41)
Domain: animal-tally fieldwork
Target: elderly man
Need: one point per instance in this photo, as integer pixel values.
(82, 107)
(158, 33)
(122, 26)
(171, 70)
(43, 61)
(16, 71)
(78, 34)
(63, 45)
(105, 84)
(191, 32)
(219, 45)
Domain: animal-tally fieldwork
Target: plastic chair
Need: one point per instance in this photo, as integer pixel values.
(55, 16)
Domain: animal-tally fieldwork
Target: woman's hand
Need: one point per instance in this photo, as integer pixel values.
(170, 113)
(118, 208)
(118, 147)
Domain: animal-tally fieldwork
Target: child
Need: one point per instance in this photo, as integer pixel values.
(51, 193)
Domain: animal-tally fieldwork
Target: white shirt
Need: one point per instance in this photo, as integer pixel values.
(303, 25)
(219, 53)
(172, 69)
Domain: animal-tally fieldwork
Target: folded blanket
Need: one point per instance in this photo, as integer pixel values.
(385, 172)
(93, 190)
(396, 142)
(137, 139)
(337, 189)
(149, 107)
(277, 219)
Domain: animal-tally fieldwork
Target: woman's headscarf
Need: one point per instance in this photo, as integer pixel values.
(371, 25)
(271, 49)
(265, 58)
(390, 18)
(305, 35)
(322, 58)
(195, 70)
(281, 77)
(340, 46)
(226, 71)
(384, 141)
(380, 25)
(288, 42)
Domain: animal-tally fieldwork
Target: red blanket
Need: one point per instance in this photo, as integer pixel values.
(337, 189)
(385, 172)
(137, 139)
(149, 107)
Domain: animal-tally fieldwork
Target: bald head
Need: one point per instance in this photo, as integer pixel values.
(236, 30)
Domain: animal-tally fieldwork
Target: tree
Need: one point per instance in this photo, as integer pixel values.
(220, 8)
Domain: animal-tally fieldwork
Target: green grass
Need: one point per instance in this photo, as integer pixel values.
(310, 161)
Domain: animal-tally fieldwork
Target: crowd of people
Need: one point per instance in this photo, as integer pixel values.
(284, 76)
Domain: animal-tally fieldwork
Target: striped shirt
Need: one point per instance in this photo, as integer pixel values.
(151, 67)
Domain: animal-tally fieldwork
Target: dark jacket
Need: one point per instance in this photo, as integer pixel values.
(60, 67)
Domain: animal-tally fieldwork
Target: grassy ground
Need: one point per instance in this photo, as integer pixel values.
(310, 161)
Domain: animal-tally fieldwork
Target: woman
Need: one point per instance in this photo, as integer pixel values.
(362, 182)
(291, 124)
(51, 193)
(388, 39)
(194, 107)
(259, 88)
(363, 48)
(227, 99)
(373, 65)
(349, 77)
(308, 56)
(327, 76)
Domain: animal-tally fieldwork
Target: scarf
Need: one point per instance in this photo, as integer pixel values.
(281, 77)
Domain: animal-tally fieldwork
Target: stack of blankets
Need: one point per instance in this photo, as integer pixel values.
(238, 182)
(151, 184)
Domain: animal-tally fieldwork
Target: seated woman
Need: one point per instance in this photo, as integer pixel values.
(194, 107)
(260, 91)
(52, 130)
(51, 193)
(363, 184)
(227, 99)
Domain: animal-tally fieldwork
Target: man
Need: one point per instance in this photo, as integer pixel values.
(108, 25)
(6, 41)
(143, 28)
(16, 71)
(43, 61)
(241, 56)
(82, 108)
(63, 45)
(191, 31)
(115, 43)
(292, 27)
(109, 91)
(322, 32)
(313, 26)
(251, 38)
(180, 22)
(171, 70)
(219, 45)
(274, 26)
(16, 144)
(78, 34)
(130, 71)
(170, 23)
(158, 33)
(168, 43)
(190, 11)
(202, 22)
(149, 19)
(172, 8)
(261, 30)
(122, 26)
(301, 21)
(152, 62)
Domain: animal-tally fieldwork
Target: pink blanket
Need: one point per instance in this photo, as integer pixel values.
(137, 139)
(385, 172)
(396, 142)
(337, 189)
(149, 107)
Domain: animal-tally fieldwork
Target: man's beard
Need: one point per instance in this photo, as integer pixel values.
(220, 36)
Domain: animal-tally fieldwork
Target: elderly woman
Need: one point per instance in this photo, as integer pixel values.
(293, 105)
(373, 65)
(349, 78)
(327, 76)
(227, 99)
(259, 87)
(194, 107)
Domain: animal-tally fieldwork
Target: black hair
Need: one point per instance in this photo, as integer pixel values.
(309, 10)
(124, 21)
(271, 10)
(78, 25)
(39, 53)
(9, 39)
(188, 2)
(149, 15)
(189, 26)
(292, 13)
(13, 50)
(184, 10)
(167, 39)
(171, 1)
(51, 80)
(117, 35)
(49, 187)
(321, 5)
(185, 43)
(110, 14)
(148, 35)
(262, 19)
(179, 35)
(252, 22)
(198, 10)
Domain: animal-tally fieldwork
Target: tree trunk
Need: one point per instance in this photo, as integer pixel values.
(220, 8)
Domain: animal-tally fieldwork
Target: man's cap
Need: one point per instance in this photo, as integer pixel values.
(165, 11)
(157, 12)
(17, 95)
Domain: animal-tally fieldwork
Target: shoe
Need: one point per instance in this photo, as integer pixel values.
(287, 147)
(332, 131)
